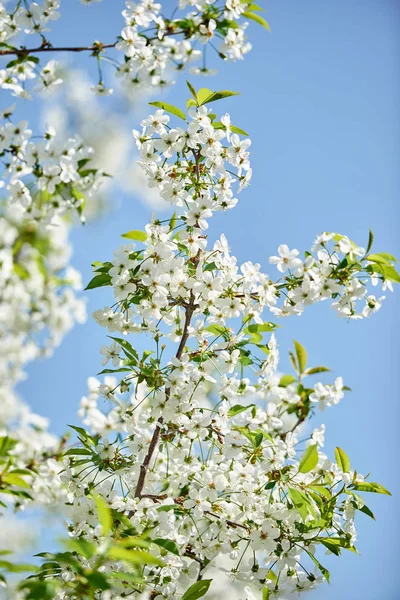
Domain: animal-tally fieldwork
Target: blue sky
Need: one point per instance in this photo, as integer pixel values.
(319, 98)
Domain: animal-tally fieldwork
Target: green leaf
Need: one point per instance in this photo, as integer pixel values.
(370, 241)
(367, 511)
(197, 590)
(191, 102)
(82, 547)
(216, 329)
(136, 557)
(342, 460)
(261, 327)
(80, 430)
(98, 580)
(203, 94)
(381, 257)
(265, 593)
(135, 234)
(134, 542)
(170, 108)
(167, 545)
(370, 486)
(390, 274)
(13, 479)
(334, 544)
(99, 281)
(314, 370)
(20, 271)
(234, 129)
(309, 460)
(127, 577)
(214, 96)
(301, 354)
(323, 570)
(104, 513)
(320, 489)
(255, 7)
(301, 502)
(238, 130)
(6, 444)
(286, 380)
(257, 18)
(172, 222)
(77, 452)
(237, 409)
(192, 90)
(39, 590)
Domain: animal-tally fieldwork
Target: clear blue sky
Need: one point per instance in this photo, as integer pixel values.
(320, 98)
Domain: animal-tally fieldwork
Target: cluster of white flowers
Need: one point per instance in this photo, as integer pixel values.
(44, 179)
(152, 43)
(171, 42)
(28, 18)
(198, 465)
(338, 269)
(38, 304)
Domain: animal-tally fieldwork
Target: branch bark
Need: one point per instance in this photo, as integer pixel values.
(190, 308)
(48, 48)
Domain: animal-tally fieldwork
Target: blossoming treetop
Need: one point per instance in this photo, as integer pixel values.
(200, 467)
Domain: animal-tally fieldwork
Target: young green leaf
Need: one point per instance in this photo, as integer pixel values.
(197, 590)
(381, 257)
(104, 513)
(214, 96)
(237, 409)
(370, 486)
(370, 241)
(309, 460)
(13, 479)
(135, 234)
(367, 511)
(301, 355)
(286, 380)
(314, 370)
(136, 557)
(167, 545)
(257, 18)
(170, 108)
(99, 281)
(203, 94)
(342, 460)
(192, 90)
(323, 570)
(301, 502)
(191, 102)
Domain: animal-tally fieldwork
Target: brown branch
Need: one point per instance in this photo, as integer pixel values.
(190, 308)
(98, 47)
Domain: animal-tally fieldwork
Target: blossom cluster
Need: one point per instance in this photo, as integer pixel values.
(38, 302)
(152, 44)
(46, 179)
(38, 306)
(202, 463)
(172, 42)
(30, 18)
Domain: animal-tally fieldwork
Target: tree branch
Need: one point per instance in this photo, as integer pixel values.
(190, 308)
(97, 47)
